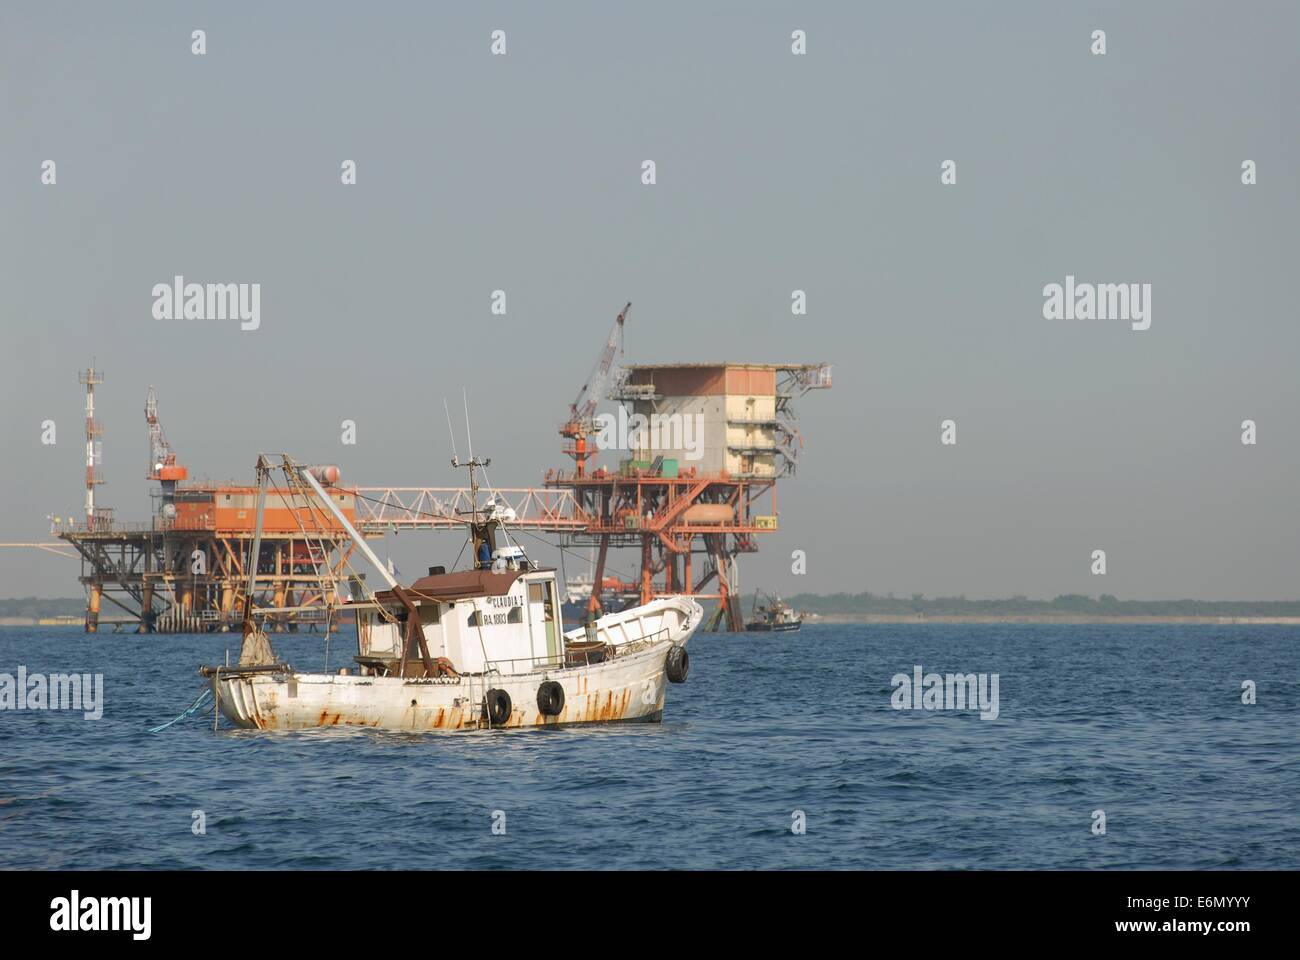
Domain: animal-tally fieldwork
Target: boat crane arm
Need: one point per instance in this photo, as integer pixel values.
(414, 629)
(325, 498)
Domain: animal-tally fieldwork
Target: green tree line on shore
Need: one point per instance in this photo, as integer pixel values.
(37, 607)
(1067, 603)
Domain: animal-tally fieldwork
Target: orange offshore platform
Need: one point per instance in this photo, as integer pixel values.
(684, 472)
(186, 569)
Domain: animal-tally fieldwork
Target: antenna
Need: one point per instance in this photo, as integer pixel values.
(469, 437)
(447, 410)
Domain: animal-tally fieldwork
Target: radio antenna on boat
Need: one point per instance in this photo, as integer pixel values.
(447, 410)
(469, 437)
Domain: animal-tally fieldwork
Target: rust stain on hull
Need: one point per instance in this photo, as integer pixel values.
(256, 704)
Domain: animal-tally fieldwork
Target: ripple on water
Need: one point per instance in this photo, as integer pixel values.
(1143, 722)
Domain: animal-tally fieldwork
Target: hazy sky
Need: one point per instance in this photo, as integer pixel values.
(775, 172)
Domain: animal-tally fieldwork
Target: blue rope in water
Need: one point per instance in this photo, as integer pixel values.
(202, 698)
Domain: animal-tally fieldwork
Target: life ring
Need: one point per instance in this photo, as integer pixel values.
(677, 664)
(497, 707)
(550, 698)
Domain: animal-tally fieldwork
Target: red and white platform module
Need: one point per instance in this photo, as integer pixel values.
(692, 480)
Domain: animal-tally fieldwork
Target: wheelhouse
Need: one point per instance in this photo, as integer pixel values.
(481, 621)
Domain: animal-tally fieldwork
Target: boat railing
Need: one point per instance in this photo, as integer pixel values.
(636, 646)
(547, 662)
(579, 657)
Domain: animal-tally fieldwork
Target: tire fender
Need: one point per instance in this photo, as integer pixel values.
(497, 707)
(550, 698)
(677, 664)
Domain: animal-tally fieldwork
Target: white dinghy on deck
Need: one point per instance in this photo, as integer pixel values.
(473, 649)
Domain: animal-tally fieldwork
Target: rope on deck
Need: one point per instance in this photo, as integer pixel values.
(189, 711)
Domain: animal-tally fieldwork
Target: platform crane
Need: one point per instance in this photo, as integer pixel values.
(162, 459)
(581, 423)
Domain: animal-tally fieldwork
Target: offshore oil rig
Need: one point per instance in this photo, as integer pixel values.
(698, 449)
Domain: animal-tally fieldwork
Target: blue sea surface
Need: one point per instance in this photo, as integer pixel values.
(1143, 722)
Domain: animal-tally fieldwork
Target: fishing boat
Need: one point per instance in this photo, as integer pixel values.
(483, 648)
(772, 616)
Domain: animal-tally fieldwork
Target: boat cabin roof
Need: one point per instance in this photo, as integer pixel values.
(462, 585)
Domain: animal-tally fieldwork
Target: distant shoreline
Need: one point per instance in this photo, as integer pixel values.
(41, 622)
(1064, 619)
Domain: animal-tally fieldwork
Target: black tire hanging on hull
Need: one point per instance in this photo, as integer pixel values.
(550, 698)
(677, 664)
(497, 707)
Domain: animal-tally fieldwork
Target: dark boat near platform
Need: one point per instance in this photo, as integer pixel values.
(774, 616)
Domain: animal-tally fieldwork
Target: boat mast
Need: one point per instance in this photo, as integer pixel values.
(478, 532)
(255, 647)
(263, 470)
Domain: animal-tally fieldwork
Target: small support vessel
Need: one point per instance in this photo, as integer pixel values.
(483, 648)
(774, 616)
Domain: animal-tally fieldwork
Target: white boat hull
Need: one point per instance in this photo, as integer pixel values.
(630, 686)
